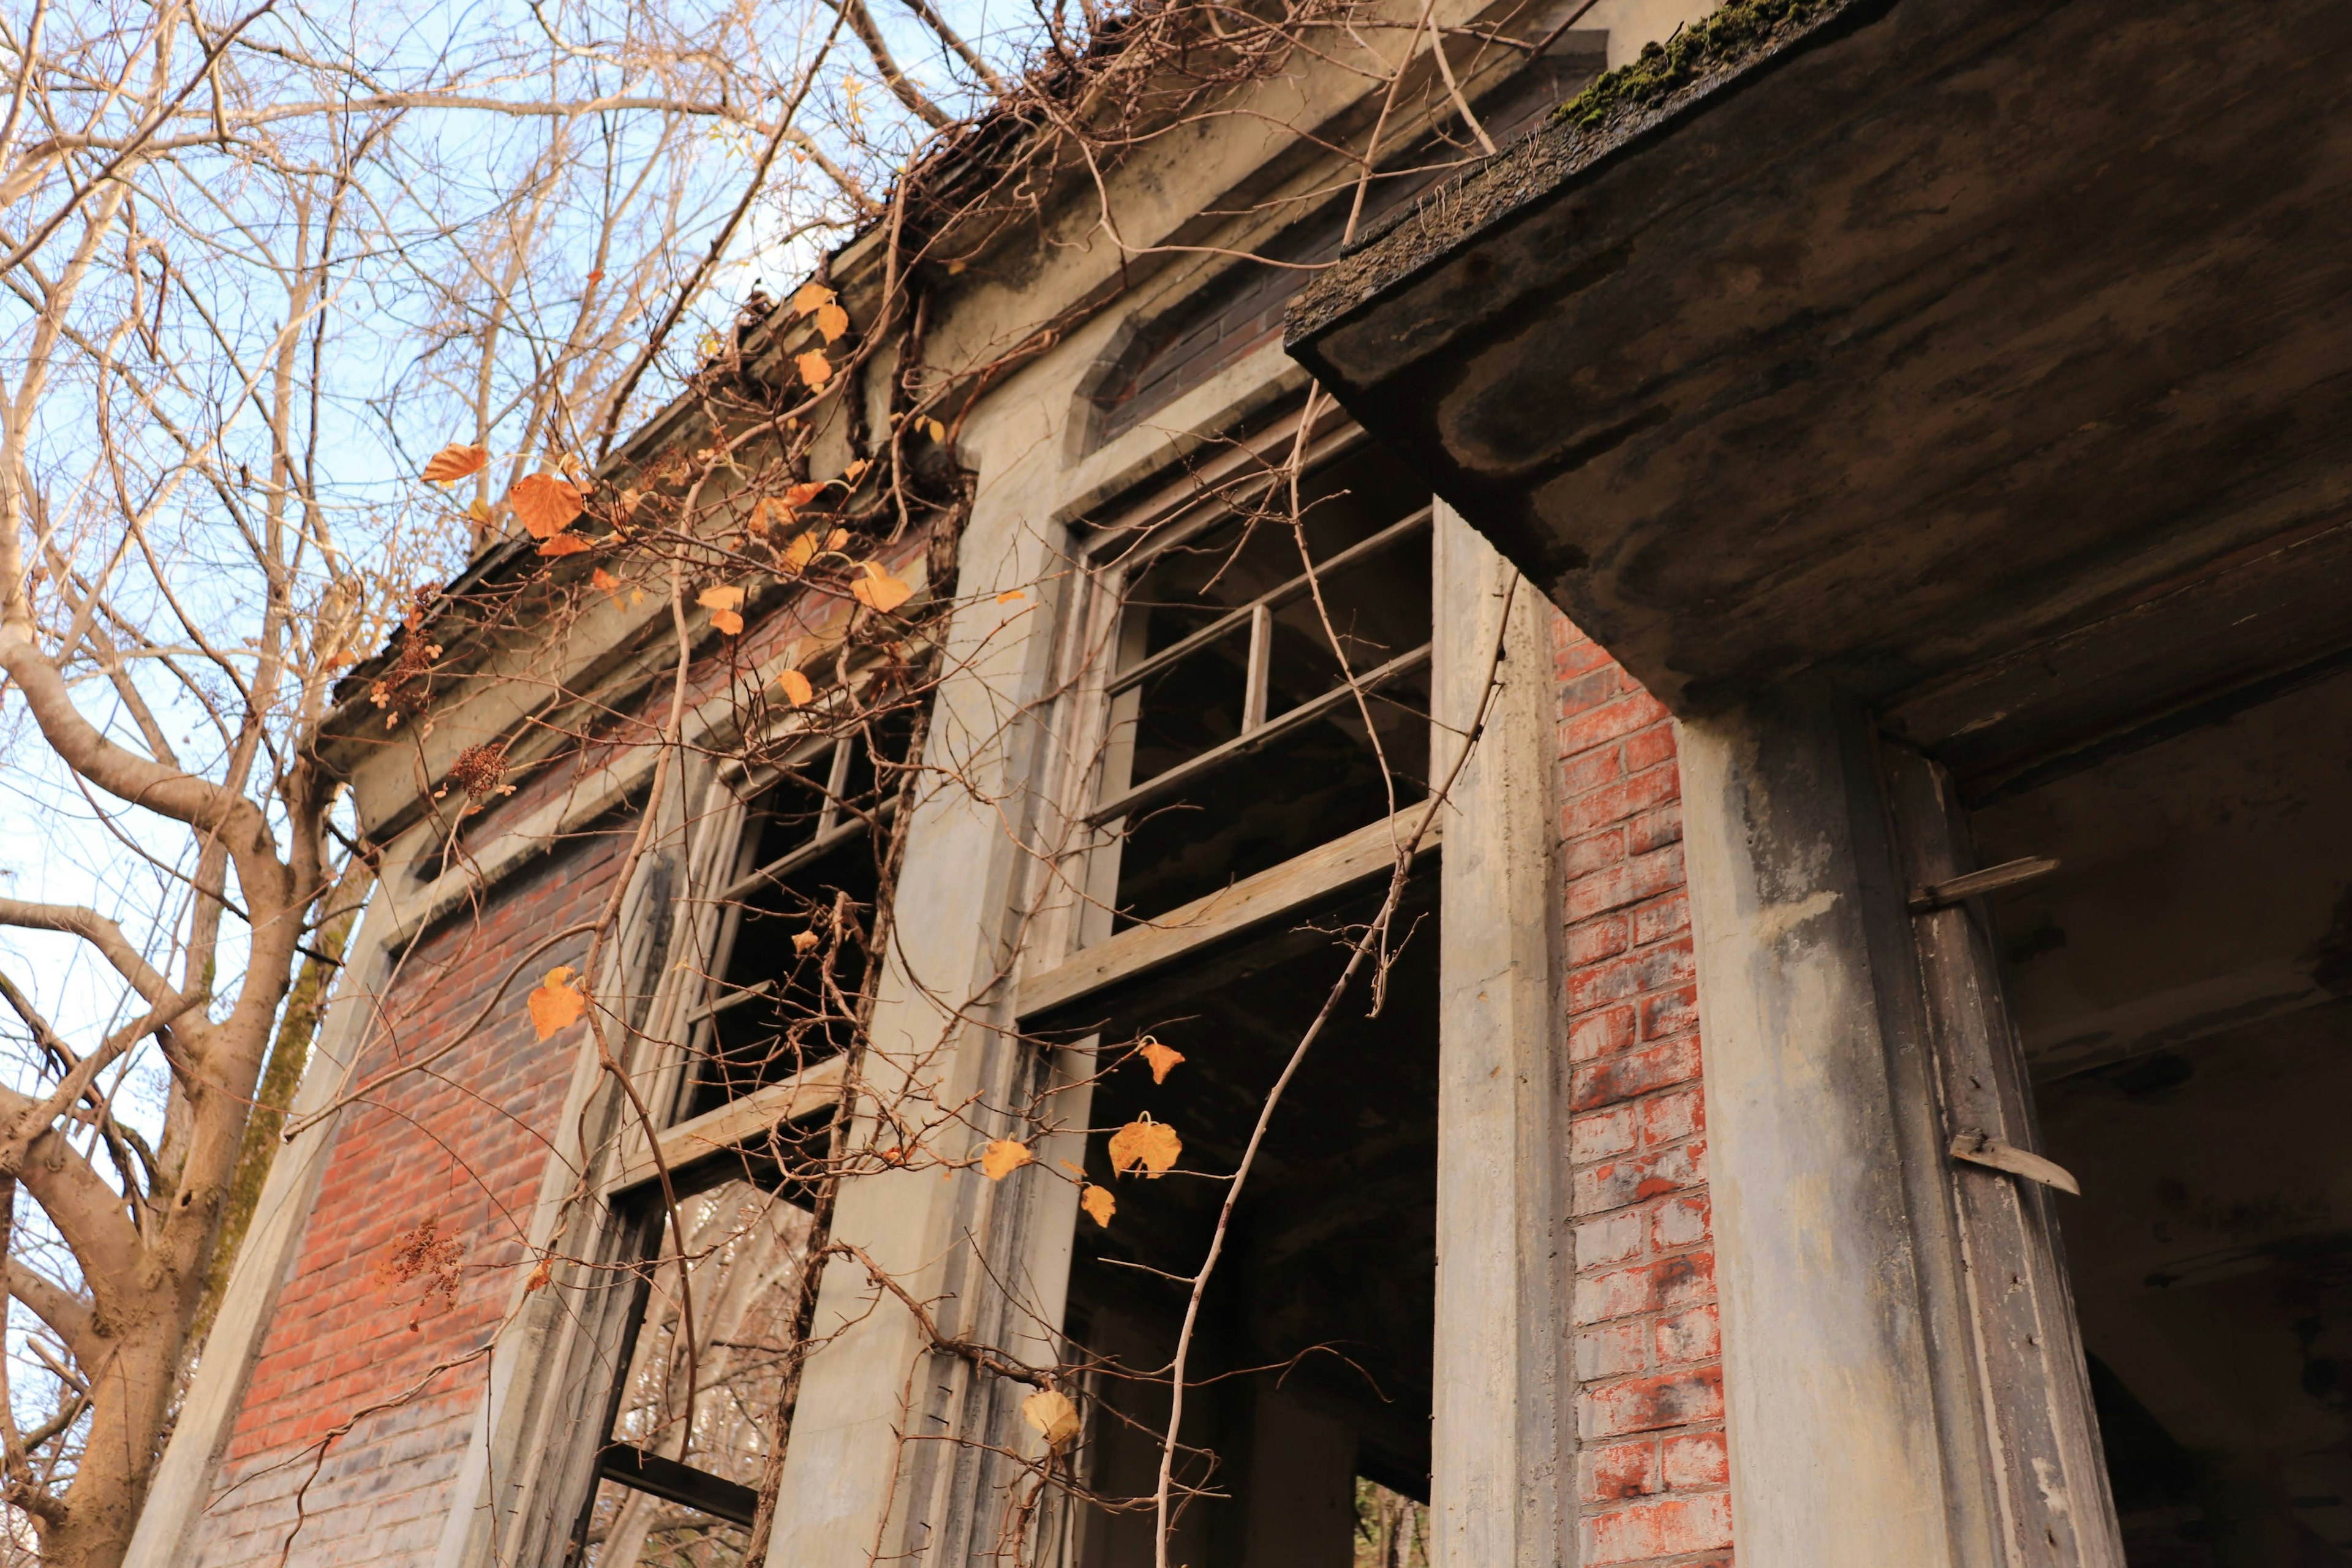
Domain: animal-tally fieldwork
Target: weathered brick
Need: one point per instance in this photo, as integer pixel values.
(463, 1145)
(1630, 1073)
(1617, 1183)
(1645, 1288)
(1680, 1222)
(1619, 1472)
(1654, 829)
(1630, 974)
(1612, 1238)
(1695, 1335)
(1621, 802)
(1672, 1117)
(1662, 918)
(1613, 886)
(1596, 940)
(1673, 1013)
(1649, 747)
(1602, 1033)
(1648, 1403)
(1595, 854)
(1661, 1526)
(1612, 1349)
(1610, 721)
(1696, 1460)
(1600, 1134)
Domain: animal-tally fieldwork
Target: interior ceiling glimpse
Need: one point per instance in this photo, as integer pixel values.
(2184, 987)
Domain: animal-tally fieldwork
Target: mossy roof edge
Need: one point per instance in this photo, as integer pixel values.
(1614, 115)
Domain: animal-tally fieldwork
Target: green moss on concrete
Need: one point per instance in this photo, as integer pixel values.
(1735, 32)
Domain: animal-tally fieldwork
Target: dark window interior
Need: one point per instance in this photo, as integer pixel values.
(1315, 773)
(1312, 1370)
(806, 866)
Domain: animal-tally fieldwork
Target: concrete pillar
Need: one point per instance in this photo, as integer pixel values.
(1843, 1360)
(1500, 1491)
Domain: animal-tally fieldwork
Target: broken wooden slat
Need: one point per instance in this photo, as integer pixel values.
(1982, 1149)
(1952, 891)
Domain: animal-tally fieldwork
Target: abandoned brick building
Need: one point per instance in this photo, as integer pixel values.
(1861, 1067)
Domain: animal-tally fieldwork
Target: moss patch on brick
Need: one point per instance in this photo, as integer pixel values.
(1739, 30)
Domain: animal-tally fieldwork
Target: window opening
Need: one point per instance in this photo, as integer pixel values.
(805, 867)
(691, 1424)
(1309, 1394)
(1235, 742)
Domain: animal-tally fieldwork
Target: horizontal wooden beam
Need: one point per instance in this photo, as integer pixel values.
(730, 1126)
(1253, 900)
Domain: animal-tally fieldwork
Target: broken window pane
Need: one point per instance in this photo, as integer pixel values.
(1236, 740)
(709, 1353)
(630, 1529)
(789, 963)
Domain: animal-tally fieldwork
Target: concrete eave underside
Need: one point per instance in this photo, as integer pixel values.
(1993, 359)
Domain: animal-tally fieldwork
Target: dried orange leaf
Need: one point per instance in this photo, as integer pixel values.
(557, 1004)
(1009, 595)
(797, 691)
(725, 596)
(855, 471)
(878, 590)
(1161, 1057)
(563, 544)
(832, 320)
(1151, 1147)
(545, 503)
(935, 430)
(836, 539)
(801, 494)
(804, 942)
(629, 500)
(810, 296)
(1051, 1411)
(539, 1277)
(607, 582)
(454, 462)
(1003, 1157)
(814, 368)
(1098, 1204)
(798, 553)
(727, 621)
(480, 510)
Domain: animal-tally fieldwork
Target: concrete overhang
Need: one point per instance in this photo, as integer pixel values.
(1992, 359)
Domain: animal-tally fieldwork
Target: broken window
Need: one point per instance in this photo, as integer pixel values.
(1309, 1381)
(696, 1414)
(787, 962)
(1236, 740)
(1266, 695)
(700, 1379)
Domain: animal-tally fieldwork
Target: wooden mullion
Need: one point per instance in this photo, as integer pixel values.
(1183, 773)
(2047, 1468)
(1281, 594)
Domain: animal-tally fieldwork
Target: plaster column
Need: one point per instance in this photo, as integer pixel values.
(1843, 1357)
(1499, 1493)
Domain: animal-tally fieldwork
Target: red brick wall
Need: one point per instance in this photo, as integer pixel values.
(1652, 1480)
(463, 1145)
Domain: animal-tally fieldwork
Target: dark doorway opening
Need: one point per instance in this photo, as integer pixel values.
(1309, 1384)
(2184, 993)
